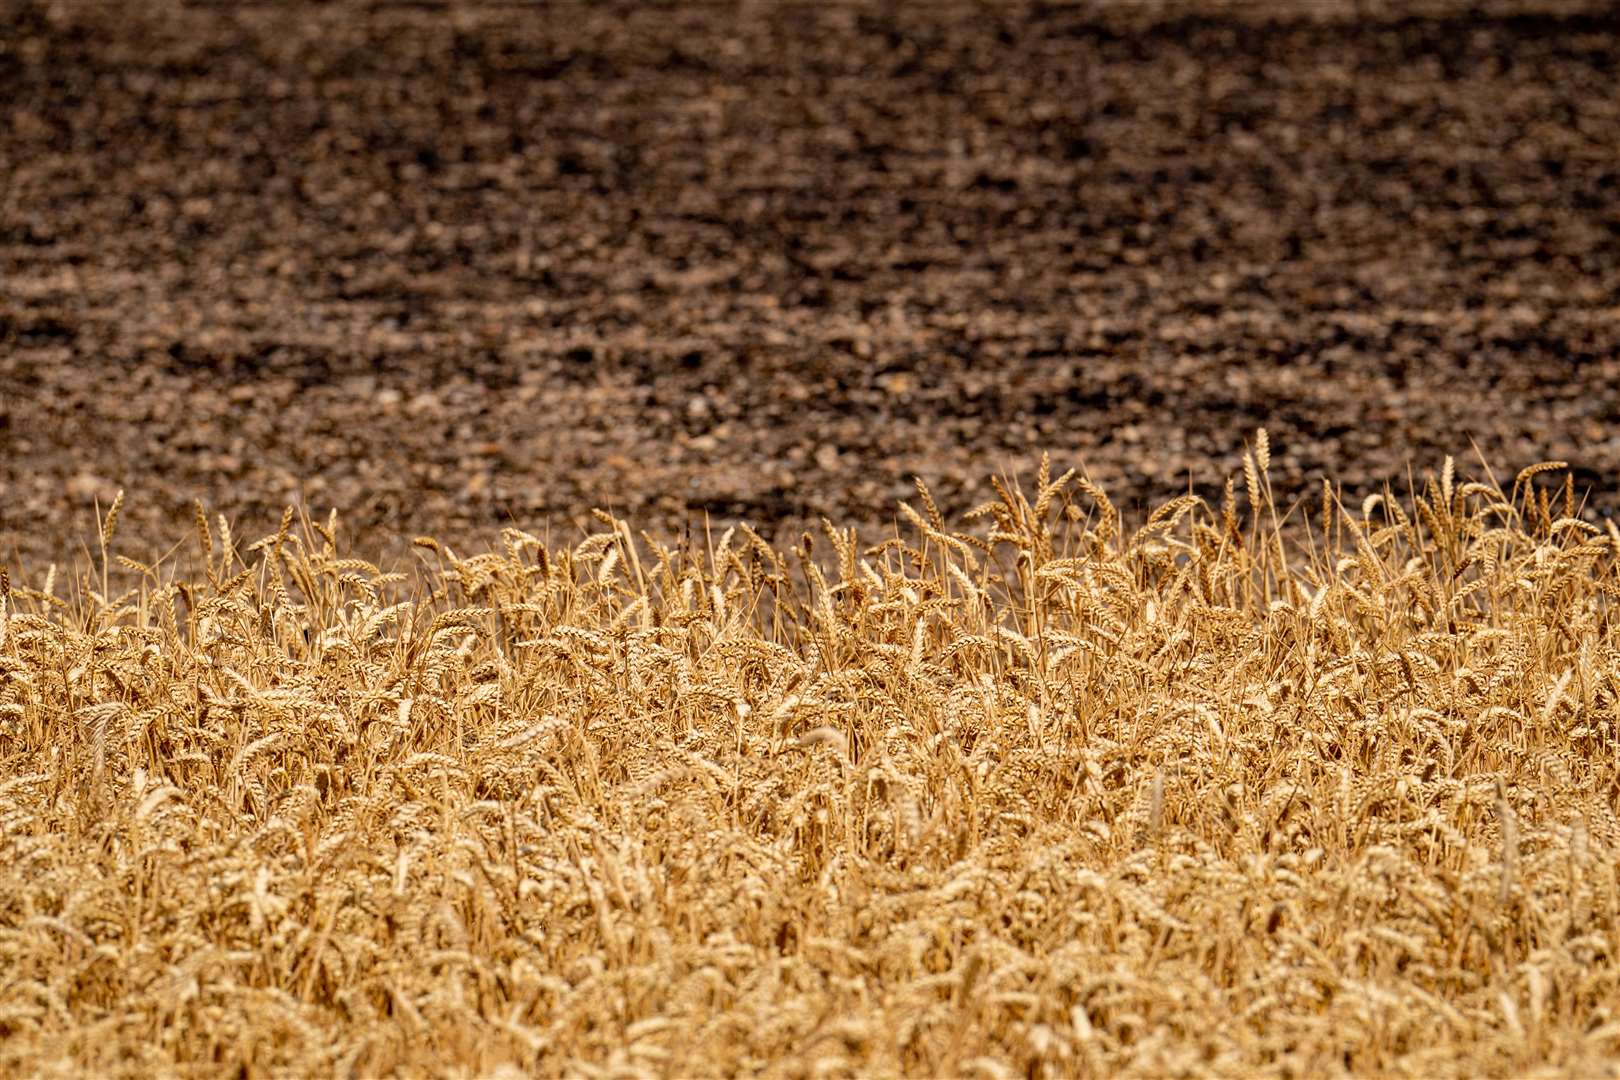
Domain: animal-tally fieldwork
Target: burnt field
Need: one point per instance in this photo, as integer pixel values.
(452, 268)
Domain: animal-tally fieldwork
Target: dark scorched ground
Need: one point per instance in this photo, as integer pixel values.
(453, 267)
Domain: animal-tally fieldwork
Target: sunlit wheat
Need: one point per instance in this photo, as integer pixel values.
(1235, 791)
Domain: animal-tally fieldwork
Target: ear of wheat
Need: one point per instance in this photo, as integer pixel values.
(1049, 794)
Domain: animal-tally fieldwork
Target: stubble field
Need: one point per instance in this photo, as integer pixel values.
(455, 268)
(1196, 749)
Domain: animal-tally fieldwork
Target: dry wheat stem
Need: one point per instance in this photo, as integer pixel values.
(620, 809)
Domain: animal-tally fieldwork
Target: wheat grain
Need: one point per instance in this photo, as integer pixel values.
(604, 810)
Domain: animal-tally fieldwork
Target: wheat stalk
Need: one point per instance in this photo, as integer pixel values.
(620, 808)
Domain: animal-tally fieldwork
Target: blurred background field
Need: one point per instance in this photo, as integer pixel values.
(452, 267)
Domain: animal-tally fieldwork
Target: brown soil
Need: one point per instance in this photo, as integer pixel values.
(452, 267)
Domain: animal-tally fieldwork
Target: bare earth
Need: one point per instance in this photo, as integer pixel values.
(452, 267)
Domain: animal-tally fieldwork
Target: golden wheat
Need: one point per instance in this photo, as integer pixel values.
(1048, 796)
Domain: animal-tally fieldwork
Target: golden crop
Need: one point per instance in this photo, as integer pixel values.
(1298, 793)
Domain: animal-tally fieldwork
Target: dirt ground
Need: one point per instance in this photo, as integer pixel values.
(450, 267)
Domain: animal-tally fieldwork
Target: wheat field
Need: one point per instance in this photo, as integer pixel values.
(1249, 789)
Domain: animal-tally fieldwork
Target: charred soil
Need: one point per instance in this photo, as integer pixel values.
(456, 267)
